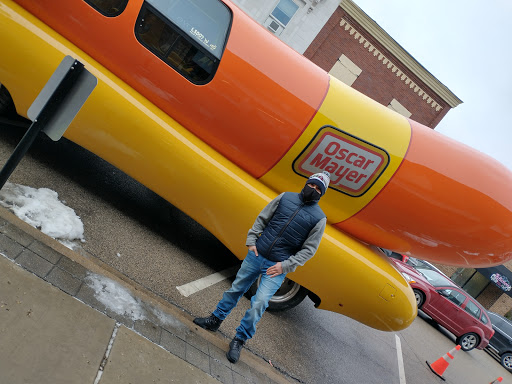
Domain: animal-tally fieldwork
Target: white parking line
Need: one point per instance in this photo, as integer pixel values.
(401, 371)
(200, 284)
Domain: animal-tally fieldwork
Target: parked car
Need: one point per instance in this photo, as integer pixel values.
(500, 345)
(449, 305)
(412, 261)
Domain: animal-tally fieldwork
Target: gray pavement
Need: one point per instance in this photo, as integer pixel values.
(55, 329)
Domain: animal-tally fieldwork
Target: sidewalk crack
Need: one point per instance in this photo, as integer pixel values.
(107, 353)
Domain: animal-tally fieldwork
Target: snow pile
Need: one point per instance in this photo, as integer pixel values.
(118, 299)
(42, 209)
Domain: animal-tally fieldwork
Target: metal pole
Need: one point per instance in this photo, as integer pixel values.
(41, 121)
(19, 152)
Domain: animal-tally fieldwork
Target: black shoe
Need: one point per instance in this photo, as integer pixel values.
(235, 347)
(211, 323)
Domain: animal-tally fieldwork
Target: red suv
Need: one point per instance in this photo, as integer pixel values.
(449, 305)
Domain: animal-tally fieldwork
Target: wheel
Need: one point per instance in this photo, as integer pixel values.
(288, 296)
(468, 341)
(420, 297)
(506, 361)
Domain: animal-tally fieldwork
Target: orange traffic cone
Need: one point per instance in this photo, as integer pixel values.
(498, 380)
(440, 365)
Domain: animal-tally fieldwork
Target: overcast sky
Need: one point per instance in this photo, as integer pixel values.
(466, 46)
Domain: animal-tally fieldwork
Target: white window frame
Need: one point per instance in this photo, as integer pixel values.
(276, 7)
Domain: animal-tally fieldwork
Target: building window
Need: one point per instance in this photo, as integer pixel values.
(108, 8)
(397, 107)
(189, 35)
(345, 70)
(284, 11)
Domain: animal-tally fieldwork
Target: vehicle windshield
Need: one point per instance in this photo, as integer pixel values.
(434, 278)
(417, 263)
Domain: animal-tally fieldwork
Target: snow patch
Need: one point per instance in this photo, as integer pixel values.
(119, 299)
(115, 297)
(42, 209)
(166, 319)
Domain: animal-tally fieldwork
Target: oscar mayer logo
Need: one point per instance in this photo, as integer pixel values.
(354, 164)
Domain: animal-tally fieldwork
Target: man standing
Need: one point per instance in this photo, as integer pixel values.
(284, 236)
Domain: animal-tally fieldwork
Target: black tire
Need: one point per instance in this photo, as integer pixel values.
(6, 104)
(468, 341)
(288, 296)
(506, 361)
(420, 297)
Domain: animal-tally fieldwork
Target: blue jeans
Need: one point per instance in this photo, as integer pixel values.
(252, 267)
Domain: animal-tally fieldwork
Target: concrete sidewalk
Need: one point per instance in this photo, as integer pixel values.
(54, 329)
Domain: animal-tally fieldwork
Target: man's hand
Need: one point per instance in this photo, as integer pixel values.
(275, 270)
(254, 249)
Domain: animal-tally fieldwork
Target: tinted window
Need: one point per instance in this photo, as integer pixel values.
(108, 7)
(454, 296)
(205, 21)
(194, 52)
(394, 255)
(473, 309)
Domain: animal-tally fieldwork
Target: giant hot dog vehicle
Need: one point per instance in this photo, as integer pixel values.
(193, 97)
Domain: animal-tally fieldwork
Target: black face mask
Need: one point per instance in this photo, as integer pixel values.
(309, 194)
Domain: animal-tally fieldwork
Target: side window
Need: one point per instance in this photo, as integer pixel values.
(109, 8)
(473, 309)
(189, 35)
(455, 296)
(484, 319)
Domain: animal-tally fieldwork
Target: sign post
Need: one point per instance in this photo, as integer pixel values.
(54, 108)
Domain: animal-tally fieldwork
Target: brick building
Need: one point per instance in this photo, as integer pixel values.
(356, 50)
(295, 22)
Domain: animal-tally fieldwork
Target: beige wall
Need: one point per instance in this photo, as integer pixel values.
(304, 25)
